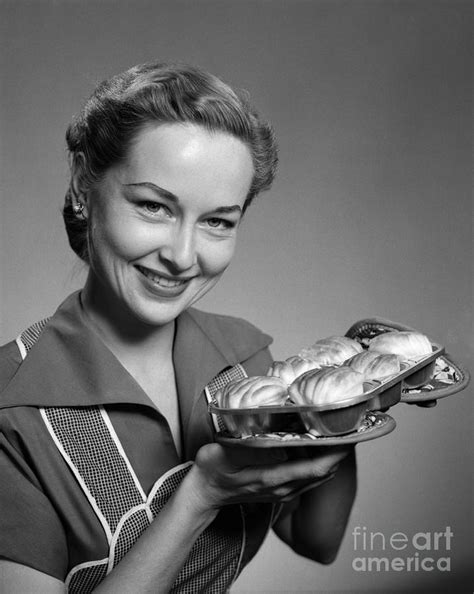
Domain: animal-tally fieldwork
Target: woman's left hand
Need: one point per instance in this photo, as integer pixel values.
(223, 476)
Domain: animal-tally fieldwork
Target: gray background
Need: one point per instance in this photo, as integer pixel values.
(370, 215)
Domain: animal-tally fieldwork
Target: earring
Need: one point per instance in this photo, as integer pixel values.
(79, 210)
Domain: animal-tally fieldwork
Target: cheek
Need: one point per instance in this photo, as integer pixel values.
(216, 258)
(108, 242)
(113, 237)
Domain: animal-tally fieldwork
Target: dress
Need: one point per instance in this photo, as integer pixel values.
(87, 460)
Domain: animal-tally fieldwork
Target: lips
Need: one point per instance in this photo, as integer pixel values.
(162, 281)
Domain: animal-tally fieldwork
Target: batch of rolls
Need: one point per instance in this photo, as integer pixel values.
(331, 370)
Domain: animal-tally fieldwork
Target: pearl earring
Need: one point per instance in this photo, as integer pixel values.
(79, 210)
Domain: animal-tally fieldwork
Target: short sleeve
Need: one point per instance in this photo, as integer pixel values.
(31, 532)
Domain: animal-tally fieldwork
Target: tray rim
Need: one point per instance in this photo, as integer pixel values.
(354, 437)
(438, 393)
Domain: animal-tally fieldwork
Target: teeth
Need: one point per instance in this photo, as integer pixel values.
(159, 280)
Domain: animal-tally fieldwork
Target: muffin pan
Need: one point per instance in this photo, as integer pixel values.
(420, 382)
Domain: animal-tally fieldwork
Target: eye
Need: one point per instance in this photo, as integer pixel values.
(153, 208)
(217, 223)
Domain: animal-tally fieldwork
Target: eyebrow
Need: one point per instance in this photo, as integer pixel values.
(160, 191)
(173, 198)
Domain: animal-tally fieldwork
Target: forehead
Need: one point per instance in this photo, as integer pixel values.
(190, 161)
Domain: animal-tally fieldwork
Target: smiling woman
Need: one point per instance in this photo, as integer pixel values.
(111, 480)
(164, 222)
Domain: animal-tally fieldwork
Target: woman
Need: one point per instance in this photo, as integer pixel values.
(111, 479)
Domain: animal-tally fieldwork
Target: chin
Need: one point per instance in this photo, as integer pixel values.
(159, 311)
(156, 316)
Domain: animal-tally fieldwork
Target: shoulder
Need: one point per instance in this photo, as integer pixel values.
(13, 353)
(10, 361)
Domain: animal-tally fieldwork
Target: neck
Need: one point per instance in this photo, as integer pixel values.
(121, 331)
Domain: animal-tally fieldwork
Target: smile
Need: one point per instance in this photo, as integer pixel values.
(161, 280)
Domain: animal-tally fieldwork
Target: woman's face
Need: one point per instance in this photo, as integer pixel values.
(163, 224)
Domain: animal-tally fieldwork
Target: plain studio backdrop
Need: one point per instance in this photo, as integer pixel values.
(370, 215)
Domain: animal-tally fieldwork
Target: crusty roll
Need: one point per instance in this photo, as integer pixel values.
(326, 385)
(333, 350)
(406, 345)
(374, 365)
(253, 391)
(291, 368)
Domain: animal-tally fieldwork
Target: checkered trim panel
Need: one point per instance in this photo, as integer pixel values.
(83, 579)
(29, 336)
(220, 381)
(127, 535)
(166, 489)
(93, 454)
(212, 564)
(213, 561)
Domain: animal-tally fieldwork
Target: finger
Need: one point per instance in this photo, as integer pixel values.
(248, 457)
(297, 470)
(299, 490)
(328, 457)
(288, 491)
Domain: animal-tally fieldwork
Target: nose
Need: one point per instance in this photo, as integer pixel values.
(179, 251)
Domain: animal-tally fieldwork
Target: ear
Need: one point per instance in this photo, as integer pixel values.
(79, 191)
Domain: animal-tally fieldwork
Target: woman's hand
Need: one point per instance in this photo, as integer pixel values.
(222, 476)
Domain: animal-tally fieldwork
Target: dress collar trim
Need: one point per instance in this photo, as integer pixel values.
(82, 371)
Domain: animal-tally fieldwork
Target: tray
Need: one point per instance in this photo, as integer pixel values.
(374, 425)
(337, 418)
(417, 384)
(334, 419)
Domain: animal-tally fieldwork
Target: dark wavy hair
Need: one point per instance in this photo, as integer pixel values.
(158, 93)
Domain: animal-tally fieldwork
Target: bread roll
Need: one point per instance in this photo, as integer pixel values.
(333, 350)
(327, 385)
(406, 345)
(374, 365)
(291, 368)
(253, 391)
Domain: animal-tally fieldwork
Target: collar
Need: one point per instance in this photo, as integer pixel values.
(70, 365)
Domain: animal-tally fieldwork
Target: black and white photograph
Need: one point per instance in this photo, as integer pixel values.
(236, 296)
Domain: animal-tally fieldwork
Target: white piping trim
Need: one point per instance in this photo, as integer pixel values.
(121, 451)
(145, 506)
(149, 513)
(80, 480)
(21, 347)
(84, 565)
(163, 478)
(118, 530)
